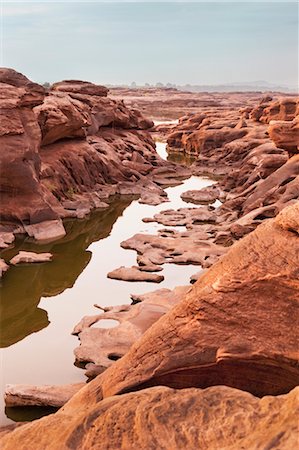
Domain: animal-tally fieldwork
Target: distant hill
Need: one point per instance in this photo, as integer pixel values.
(252, 86)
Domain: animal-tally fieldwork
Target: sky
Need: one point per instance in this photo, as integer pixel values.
(149, 42)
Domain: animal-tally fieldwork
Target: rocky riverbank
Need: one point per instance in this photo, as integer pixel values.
(232, 328)
(227, 346)
(67, 150)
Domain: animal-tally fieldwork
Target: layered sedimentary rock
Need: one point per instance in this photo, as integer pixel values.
(69, 146)
(24, 200)
(254, 158)
(214, 418)
(233, 328)
(283, 108)
(27, 395)
(285, 134)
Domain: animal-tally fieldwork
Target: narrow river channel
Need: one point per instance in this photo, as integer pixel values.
(41, 303)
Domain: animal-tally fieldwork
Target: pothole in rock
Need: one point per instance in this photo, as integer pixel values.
(106, 323)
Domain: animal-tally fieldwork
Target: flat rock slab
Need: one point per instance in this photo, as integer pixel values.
(134, 274)
(28, 395)
(30, 257)
(170, 246)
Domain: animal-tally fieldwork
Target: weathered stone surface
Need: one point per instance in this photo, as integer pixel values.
(284, 108)
(60, 116)
(234, 325)
(69, 145)
(30, 257)
(6, 239)
(135, 274)
(285, 134)
(9, 428)
(101, 347)
(233, 328)
(214, 418)
(171, 104)
(80, 87)
(276, 191)
(206, 195)
(23, 199)
(47, 231)
(27, 395)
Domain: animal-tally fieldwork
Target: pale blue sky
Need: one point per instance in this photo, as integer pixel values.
(182, 42)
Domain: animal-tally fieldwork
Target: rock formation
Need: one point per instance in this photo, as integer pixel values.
(233, 328)
(69, 146)
(214, 418)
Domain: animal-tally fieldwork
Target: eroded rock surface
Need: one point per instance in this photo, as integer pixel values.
(71, 144)
(258, 178)
(233, 327)
(101, 347)
(214, 418)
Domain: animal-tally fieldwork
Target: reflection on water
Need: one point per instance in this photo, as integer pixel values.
(180, 158)
(28, 413)
(176, 157)
(23, 286)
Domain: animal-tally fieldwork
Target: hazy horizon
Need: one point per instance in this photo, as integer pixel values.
(118, 43)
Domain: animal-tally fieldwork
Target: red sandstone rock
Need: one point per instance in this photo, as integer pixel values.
(27, 395)
(60, 117)
(285, 108)
(232, 328)
(80, 87)
(75, 143)
(285, 134)
(214, 418)
(100, 347)
(135, 274)
(30, 257)
(23, 199)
